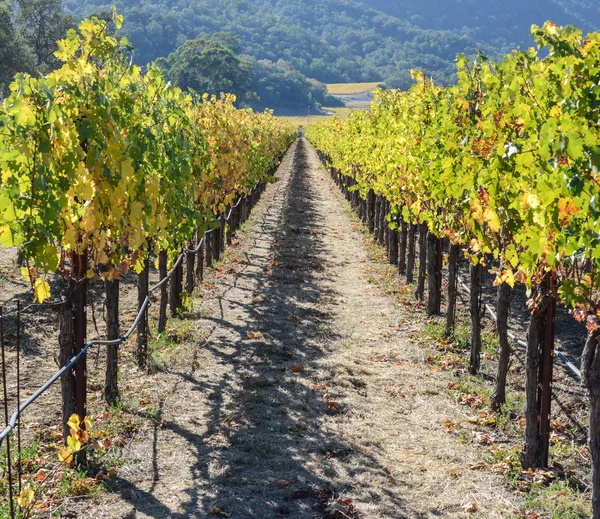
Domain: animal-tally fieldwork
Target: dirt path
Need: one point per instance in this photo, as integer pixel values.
(308, 391)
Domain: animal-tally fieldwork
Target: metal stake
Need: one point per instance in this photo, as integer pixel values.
(8, 458)
(19, 467)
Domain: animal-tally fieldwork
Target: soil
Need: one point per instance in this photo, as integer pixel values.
(302, 391)
(360, 100)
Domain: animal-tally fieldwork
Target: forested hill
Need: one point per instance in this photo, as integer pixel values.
(345, 40)
(502, 25)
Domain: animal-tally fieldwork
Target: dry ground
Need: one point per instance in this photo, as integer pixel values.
(351, 88)
(301, 388)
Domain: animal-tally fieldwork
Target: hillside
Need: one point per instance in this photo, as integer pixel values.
(502, 25)
(344, 40)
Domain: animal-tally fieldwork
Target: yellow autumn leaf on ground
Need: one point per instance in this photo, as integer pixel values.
(25, 497)
(41, 290)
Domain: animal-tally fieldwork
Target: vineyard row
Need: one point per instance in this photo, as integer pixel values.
(103, 166)
(505, 166)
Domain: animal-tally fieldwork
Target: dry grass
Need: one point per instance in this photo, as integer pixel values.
(351, 88)
(304, 120)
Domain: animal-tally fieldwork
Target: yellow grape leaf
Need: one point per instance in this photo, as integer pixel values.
(41, 290)
(25, 273)
(67, 47)
(87, 423)
(136, 211)
(477, 212)
(25, 497)
(530, 201)
(556, 111)
(567, 207)
(84, 187)
(507, 277)
(6, 236)
(491, 217)
(88, 221)
(74, 421)
(139, 266)
(90, 274)
(117, 18)
(66, 456)
(127, 170)
(73, 444)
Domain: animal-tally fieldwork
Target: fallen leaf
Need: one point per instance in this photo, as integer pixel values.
(215, 510)
(482, 438)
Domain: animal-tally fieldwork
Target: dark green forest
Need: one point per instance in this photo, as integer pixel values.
(278, 53)
(345, 40)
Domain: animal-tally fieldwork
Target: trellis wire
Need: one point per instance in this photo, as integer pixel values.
(10, 424)
(568, 364)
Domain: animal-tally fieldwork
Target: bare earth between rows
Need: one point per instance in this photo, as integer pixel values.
(302, 389)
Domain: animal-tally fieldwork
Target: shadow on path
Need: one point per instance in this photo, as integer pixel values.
(267, 451)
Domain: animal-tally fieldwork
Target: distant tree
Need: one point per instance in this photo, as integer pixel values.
(43, 23)
(15, 54)
(211, 64)
(280, 86)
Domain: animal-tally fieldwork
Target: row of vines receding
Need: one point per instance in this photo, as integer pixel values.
(103, 168)
(504, 165)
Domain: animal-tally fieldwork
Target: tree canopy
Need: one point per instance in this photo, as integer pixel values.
(210, 64)
(347, 40)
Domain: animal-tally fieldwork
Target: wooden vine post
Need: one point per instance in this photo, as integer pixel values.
(538, 376)
(72, 337)
(175, 299)
(111, 388)
(502, 307)
(164, 291)
(434, 274)
(453, 257)
(403, 241)
(80, 275)
(190, 259)
(475, 311)
(422, 272)
(590, 374)
(410, 253)
(142, 329)
(546, 370)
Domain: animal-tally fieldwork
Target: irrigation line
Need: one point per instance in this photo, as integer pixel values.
(103, 342)
(568, 364)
